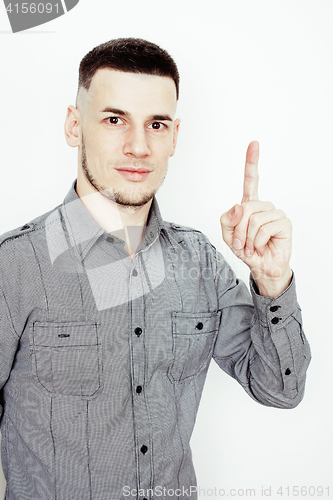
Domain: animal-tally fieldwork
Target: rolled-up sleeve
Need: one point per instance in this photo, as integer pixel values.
(261, 342)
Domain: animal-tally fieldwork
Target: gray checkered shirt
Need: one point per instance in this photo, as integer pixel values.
(103, 360)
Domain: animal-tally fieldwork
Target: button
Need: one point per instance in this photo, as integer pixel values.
(287, 372)
(26, 226)
(109, 239)
(138, 331)
(144, 449)
(199, 326)
(273, 309)
(151, 234)
(139, 389)
(275, 320)
(134, 272)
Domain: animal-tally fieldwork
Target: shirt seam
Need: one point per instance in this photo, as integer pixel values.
(15, 334)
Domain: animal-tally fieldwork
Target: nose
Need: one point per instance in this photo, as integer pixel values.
(136, 144)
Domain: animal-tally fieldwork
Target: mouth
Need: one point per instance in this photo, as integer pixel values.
(133, 173)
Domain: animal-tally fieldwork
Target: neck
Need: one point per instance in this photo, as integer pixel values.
(114, 217)
(134, 216)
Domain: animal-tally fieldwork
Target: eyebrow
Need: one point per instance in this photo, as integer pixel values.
(120, 112)
(166, 118)
(115, 111)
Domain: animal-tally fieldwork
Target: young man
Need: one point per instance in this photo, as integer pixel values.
(109, 316)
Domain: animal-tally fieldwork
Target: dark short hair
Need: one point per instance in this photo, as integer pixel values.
(131, 55)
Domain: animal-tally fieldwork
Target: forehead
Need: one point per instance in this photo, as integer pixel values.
(132, 92)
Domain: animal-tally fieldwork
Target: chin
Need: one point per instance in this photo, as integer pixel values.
(128, 202)
(127, 199)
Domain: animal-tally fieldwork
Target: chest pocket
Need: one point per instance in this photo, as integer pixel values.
(193, 342)
(67, 358)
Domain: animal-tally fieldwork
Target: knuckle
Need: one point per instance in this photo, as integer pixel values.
(289, 223)
(225, 237)
(264, 231)
(248, 177)
(223, 218)
(281, 214)
(254, 220)
(270, 205)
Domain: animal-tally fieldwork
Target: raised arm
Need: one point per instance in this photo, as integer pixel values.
(258, 233)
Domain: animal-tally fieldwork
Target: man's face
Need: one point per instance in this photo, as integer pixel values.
(127, 135)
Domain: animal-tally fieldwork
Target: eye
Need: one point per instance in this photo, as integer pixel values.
(115, 120)
(157, 126)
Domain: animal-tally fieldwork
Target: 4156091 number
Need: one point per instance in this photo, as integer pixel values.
(33, 8)
(303, 491)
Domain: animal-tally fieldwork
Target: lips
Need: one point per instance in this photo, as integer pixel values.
(134, 174)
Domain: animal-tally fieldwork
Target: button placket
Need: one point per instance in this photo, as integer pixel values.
(138, 355)
(137, 279)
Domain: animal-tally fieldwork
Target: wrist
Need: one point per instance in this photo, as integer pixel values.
(273, 286)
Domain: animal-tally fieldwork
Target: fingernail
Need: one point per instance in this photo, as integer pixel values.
(232, 213)
(237, 244)
(247, 252)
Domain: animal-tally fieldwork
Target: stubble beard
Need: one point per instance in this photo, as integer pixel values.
(121, 198)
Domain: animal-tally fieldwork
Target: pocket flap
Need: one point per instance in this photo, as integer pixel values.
(65, 334)
(193, 323)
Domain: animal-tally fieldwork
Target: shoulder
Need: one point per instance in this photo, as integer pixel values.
(188, 239)
(24, 233)
(185, 238)
(186, 233)
(178, 228)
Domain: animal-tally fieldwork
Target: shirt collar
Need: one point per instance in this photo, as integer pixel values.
(84, 231)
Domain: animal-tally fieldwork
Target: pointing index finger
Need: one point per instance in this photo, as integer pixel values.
(251, 175)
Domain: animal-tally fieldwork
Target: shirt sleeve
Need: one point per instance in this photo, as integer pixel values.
(8, 344)
(260, 341)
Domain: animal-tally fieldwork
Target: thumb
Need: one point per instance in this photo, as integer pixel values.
(229, 220)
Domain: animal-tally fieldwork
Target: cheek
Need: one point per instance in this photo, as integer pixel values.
(95, 139)
(100, 151)
(164, 149)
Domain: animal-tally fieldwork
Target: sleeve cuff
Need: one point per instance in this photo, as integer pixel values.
(274, 311)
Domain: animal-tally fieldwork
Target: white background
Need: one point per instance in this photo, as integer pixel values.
(250, 69)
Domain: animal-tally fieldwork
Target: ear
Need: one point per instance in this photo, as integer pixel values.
(176, 124)
(72, 126)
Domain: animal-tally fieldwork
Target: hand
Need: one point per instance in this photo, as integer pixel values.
(259, 234)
